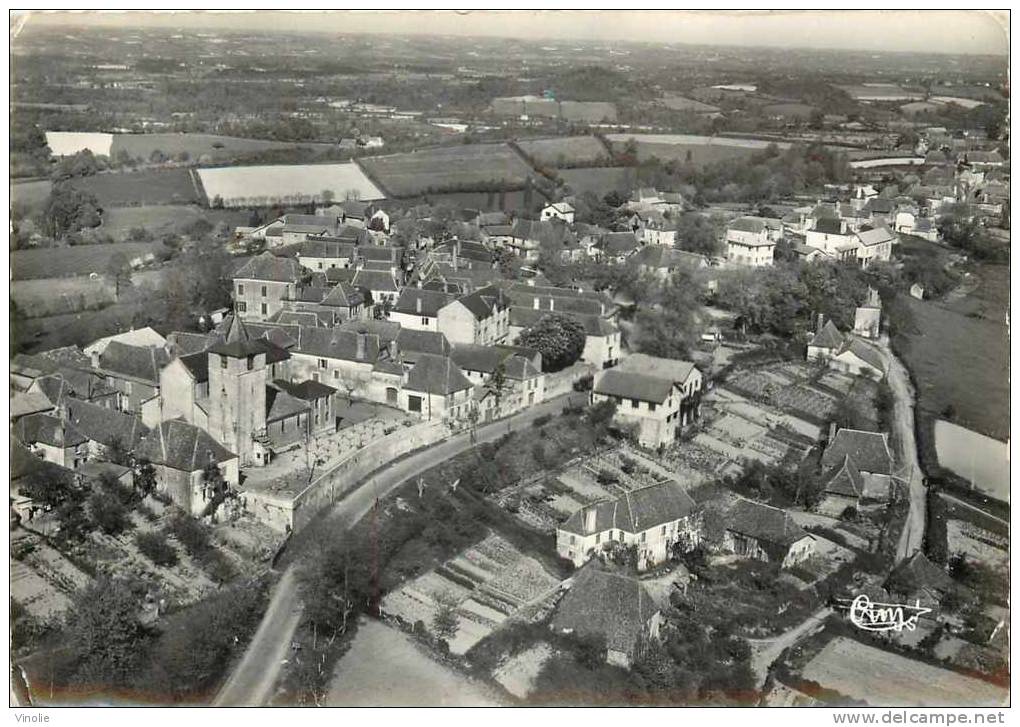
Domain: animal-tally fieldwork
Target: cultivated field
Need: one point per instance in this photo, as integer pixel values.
(150, 187)
(66, 143)
(488, 582)
(884, 679)
(563, 151)
(261, 186)
(448, 169)
(695, 140)
(199, 147)
(79, 260)
(159, 220)
(881, 92)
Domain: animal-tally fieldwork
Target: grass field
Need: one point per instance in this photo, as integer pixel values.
(600, 180)
(151, 187)
(163, 219)
(959, 355)
(285, 183)
(448, 169)
(563, 151)
(884, 679)
(693, 149)
(80, 260)
(31, 194)
(197, 146)
(681, 103)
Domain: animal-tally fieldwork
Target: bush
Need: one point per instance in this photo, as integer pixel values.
(541, 421)
(156, 548)
(585, 383)
(190, 533)
(108, 513)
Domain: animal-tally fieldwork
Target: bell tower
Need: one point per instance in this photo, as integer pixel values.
(237, 390)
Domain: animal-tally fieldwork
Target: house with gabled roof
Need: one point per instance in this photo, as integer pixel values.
(179, 453)
(664, 260)
(859, 358)
(524, 382)
(436, 389)
(611, 606)
(659, 521)
(133, 372)
(875, 244)
(834, 237)
(104, 429)
(826, 341)
(381, 285)
(763, 532)
(869, 454)
(480, 317)
(418, 308)
(917, 579)
(868, 316)
(323, 253)
(53, 438)
(649, 403)
(616, 247)
(560, 211)
(749, 242)
(263, 283)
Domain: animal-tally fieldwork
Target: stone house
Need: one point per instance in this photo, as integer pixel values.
(763, 532)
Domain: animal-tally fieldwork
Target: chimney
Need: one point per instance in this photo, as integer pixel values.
(820, 323)
(589, 520)
(361, 346)
(537, 303)
(417, 304)
(552, 303)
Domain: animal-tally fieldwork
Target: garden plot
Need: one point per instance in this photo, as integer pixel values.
(733, 402)
(981, 545)
(798, 399)
(489, 582)
(518, 673)
(583, 483)
(42, 580)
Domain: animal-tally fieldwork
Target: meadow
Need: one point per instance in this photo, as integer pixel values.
(199, 147)
(475, 167)
(79, 260)
(150, 187)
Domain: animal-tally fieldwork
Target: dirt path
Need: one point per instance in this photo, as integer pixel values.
(907, 462)
(385, 668)
(765, 651)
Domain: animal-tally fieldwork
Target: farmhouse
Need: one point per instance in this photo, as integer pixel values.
(609, 606)
(833, 237)
(868, 317)
(560, 211)
(436, 388)
(826, 341)
(767, 533)
(323, 253)
(53, 439)
(658, 520)
(380, 284)
(616, 246)
(105, 430)
(523, 380)
(858, 358)
(868, 453)
(664, 260)
(263, 283)
(685, 377)
(875, 244)
(748, 242)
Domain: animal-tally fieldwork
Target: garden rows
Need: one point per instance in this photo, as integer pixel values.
(799, 400)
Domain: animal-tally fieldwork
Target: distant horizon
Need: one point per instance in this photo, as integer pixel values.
(973, 33)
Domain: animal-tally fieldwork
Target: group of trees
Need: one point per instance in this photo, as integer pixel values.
(69, 209)
(960, 228)
(559, 337)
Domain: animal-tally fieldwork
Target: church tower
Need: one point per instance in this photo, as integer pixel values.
(237, 391)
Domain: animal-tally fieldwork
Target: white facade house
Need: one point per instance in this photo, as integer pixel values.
(558, 211)
(748, 242)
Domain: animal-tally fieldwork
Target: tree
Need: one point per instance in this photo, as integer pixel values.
(444, 621)
(118, 271)
(669, 327)
(155, 547)
(327, 196)
(145, 478)
(107, 511)
(69, 209)
(558, 337)
(700, 234)
(105, 632)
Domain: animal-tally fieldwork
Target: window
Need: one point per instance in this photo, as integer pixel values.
(263, 291)
(572, 540)
(598, 538)
(651, 406)
(634, 404)
(223, 362)
(663, 529)
(414, 403)
(265, 309)
(424, 321)
(242, 307)
(251, 362)
(642, 537)
(322, 363)
(336, 374)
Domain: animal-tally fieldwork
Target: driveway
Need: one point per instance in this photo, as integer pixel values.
(253, 680)
(765, 651)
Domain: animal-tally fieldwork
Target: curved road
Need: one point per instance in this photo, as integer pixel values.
(765, 651)
(254, 679)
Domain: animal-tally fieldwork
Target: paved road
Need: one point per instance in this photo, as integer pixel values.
(765, 651)
(254, 679)
(906, 454)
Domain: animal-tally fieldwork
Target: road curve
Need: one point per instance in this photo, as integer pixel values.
(254, 679)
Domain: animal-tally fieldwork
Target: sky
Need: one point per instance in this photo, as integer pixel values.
(969, 32)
